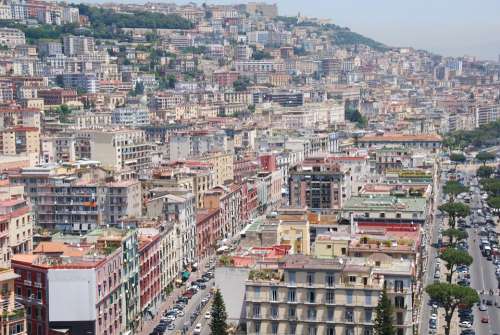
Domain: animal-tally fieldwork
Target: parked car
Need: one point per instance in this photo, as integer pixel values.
(465, 324)
(197, 329)
(208, 315)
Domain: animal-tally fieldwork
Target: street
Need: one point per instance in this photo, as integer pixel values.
(483, 278)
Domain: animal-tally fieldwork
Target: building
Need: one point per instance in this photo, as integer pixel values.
(418, 142)
(11, 37)
(208, 231)
(78, 45)
(21, 140)
(13, 320)
(78, 199)
(130, 116)
(318, 185)
(306, 295)
(120, 149)
(222, 163)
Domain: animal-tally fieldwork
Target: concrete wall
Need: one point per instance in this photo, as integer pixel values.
(231, 283)
(72, 295)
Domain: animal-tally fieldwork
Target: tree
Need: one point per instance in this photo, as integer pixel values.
(494, 202)
(218, 325)
(454, 188)
(384, 313)
(453, 258)
(485, 171)
(485, 156)
(491, 185)
(241, 84)
(454, 210)
(64, 111)
(458, 158)
(139, 88)
(449, 297)
(455, 234)
(355, 116)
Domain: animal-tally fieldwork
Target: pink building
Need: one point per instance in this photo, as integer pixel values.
(208, 231)
(149, 271)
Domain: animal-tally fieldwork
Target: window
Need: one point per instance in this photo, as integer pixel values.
(399, 318)
(398, 215)
(352, 279)
(274, 328)
(292, 312)
(330, 297)
(399, 302)
(312, 330)
(293, 328)
(311, 313)
(256, 310)
(344, 251)
(330, 330)
(368, 298)
(368, 314)
(257, 327)
(349, 315)
(291, 295)
(398, 285)
(310, 278)
(330, 279)
(291, 278)
(349, 296)
(274, 311)
(382, 215)
(311, 296)
(400, 331)
(274, 294)
(368, 331)
(330, 314)
(257, 292)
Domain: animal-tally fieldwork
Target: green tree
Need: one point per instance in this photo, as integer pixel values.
(63, 111)
(355, 116)
(454, 188)
(241, 84)
(491, 185)
(449, 297)
(485, 156)
(218, 325)
(455, 235)
(485, 171)
(453, 258)
(458, 158)
(454, 210)
(494, 202)
(383, 324)
(139, 88)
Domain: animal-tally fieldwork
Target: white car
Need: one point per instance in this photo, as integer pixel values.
(465, 324)
(197, 329)
(434, 316)
(208, 315)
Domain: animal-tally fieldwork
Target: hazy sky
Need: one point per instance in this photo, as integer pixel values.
(448, 27)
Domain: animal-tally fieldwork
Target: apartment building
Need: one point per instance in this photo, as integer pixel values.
(319, 185)
(78, 45)
(222, 164)
(418, 142)
(78, 199)
(120, 149)
(130, 116)
(11, 37)
(19, 140)
(13, 320)
(16, 228)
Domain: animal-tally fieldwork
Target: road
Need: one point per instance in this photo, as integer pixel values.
(432, 232)
(483, 279)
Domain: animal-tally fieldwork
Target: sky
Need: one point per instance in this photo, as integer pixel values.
(447, 27)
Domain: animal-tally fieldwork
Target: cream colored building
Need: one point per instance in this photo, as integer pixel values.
(308, 295)
(223, 167)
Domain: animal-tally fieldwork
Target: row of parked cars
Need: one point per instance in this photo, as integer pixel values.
(167, 322)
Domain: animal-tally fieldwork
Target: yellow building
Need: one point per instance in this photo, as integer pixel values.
(293, 230)
(330, 246)
(223, 167)
(21, 140)
(13, 316)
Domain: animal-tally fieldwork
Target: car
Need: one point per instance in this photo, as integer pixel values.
(468, 332)
(465, 324)
(433, 316)
(197, 329)
(437, 275)
(180, 313)
(483, 307)
(484, 319)
(208, 315)
(202, 286)
(171, 326)
(171, 317)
